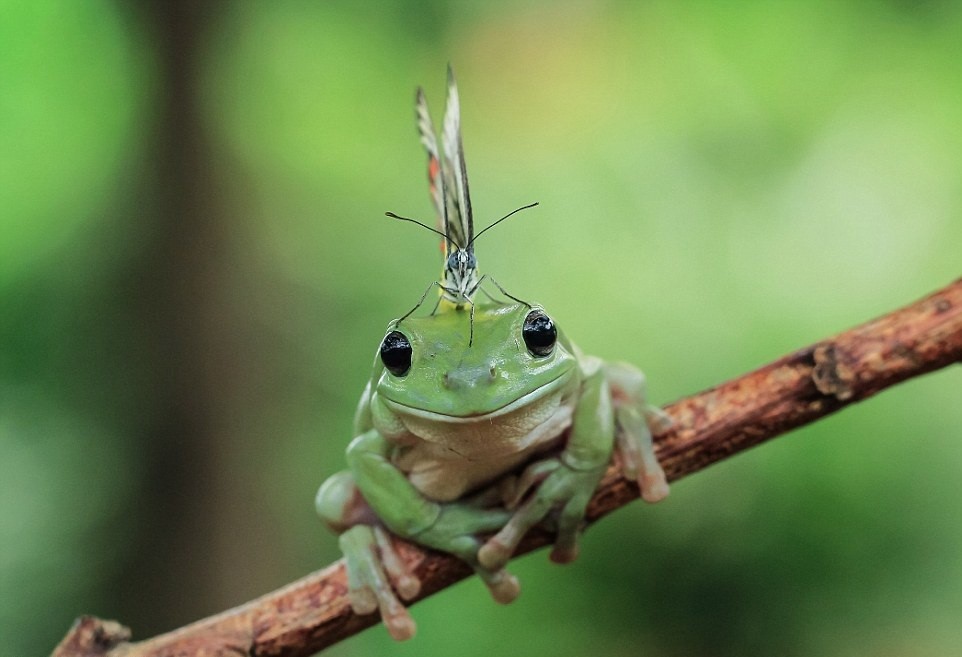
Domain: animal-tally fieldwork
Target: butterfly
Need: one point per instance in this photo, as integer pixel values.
(450, 195)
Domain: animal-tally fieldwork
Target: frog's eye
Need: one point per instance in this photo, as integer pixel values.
(539, 333)
(396, 353)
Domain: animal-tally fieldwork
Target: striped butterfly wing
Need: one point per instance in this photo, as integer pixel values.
(459, 220)
(447, 178)
(435, 179)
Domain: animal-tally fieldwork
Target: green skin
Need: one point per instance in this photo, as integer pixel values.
(480, 439)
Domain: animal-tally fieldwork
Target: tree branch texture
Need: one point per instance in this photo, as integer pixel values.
(313, 612)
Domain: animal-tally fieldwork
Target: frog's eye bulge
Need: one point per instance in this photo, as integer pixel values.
(539, 333)
(396, 353)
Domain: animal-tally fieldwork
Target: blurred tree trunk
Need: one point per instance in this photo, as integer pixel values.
(181, 294)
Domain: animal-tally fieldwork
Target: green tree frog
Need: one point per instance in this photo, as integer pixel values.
(479, 422)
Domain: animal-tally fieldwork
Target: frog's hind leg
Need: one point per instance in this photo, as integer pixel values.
(635, 419)
(374, 568)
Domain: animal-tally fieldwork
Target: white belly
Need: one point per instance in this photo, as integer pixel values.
(454, 458)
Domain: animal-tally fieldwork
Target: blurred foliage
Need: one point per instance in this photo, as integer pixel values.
(719, 184)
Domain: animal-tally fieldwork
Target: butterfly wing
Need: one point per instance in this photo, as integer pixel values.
(435, 177)
(459, 220)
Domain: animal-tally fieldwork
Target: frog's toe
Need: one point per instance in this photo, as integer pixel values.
(404, 581)
(564, 554)
(408, 586)
(398, 622)
(565, 549)
(497, 550)
(363, 601)
(366, 580)
(570, 522)
(494, 554)
(653, 485)
(504, 586)
(658, 419)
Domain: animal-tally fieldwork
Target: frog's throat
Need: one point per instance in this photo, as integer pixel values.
(524, 400)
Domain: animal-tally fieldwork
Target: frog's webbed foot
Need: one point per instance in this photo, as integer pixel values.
(374, 572)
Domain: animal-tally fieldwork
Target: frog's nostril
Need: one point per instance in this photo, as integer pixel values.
(470, 377)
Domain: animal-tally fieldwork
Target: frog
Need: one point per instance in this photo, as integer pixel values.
(478, 422)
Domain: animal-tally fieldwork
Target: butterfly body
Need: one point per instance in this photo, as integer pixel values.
(461, 279)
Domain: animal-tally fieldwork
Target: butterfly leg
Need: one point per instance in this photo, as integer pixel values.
(418, 305)
(513, 298)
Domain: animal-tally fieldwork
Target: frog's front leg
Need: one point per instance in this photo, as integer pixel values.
(564, 483)
(635, 420)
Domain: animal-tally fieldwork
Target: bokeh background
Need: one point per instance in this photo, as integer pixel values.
(195, 272)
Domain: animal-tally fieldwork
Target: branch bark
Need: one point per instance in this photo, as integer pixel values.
(313, 612)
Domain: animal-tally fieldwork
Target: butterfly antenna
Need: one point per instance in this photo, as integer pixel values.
(523, 207)
(423, 225)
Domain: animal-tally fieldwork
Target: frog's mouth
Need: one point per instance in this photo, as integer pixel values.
(528, 400)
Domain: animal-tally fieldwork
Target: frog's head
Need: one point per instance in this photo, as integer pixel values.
(428, 368)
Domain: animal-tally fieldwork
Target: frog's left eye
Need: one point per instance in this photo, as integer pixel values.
(396, 353)
(539, 333)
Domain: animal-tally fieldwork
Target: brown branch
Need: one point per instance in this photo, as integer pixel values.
(313, 613)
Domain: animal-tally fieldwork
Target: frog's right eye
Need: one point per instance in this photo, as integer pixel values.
(539, 333)
(396, 353)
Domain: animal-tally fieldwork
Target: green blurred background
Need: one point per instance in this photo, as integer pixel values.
(195, 272)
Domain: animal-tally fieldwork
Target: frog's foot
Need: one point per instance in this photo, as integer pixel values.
(373, 566)
(497, 551)
(560, 488)
(635, 446)
(504, 586)
(455, 531)
(636, 419)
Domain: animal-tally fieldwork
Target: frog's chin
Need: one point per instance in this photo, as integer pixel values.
(527, 400)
